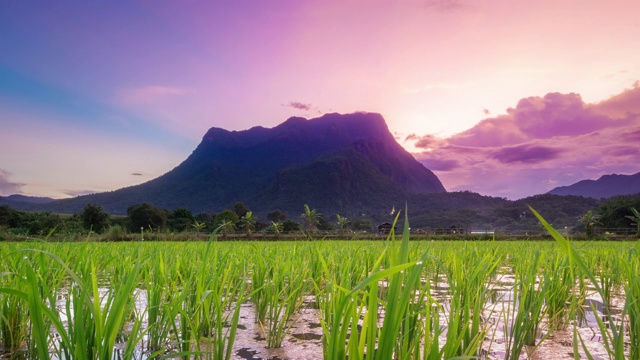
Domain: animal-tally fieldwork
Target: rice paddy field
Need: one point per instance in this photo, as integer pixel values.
(393, 299)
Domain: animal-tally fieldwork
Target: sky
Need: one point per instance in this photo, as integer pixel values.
(504, 98)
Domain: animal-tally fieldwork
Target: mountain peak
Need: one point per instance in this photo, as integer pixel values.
(337, 162)
(606, 186)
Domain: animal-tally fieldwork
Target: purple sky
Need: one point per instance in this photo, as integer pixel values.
(501, 97)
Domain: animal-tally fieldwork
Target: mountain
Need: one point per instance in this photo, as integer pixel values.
(605, 187)
(335, 163)
(12, 199)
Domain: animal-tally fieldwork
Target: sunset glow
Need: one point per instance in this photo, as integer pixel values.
(500, 97)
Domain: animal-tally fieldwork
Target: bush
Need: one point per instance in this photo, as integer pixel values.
(115, 233)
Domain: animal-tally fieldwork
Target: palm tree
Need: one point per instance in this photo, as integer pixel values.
(311, 219)
(590, 220)
(276, 228)
(248, 222)
(342, 224)
(198, 225)
(635, 219)
(226, 227)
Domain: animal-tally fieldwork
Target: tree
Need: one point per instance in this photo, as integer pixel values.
(198, 226)
(310, 219)
(248, 222)
(9, 217)
(276, 216)
(181, 219)
(208, 219)
(613, 212)
(343, 222)
(146, 216)
(94, 218)
(362, 225)
(275, 228)
(589, 220)
(635, 219)
(289, 226)
(226, 221)
(240, 209)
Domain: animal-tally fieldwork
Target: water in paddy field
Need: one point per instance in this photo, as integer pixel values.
(303, 338)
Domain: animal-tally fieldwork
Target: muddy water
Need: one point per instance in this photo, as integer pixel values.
(303, 339)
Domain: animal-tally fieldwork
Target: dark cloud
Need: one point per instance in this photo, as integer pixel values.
(624, 106)
(411, 137)
(299, 106)
(556, 114)
(75, 193)
(8, 187)
(547, 141)
(631, 136)
(623, 151)
(136, 174)
(428, 142)
(528, 154)
(440, 164)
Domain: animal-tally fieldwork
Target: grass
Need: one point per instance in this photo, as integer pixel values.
(388, 299)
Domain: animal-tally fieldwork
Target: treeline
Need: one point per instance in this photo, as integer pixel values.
(147, 218)
(564, 212)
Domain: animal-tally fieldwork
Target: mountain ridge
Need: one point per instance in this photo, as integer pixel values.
(252, 165)
(604, 187)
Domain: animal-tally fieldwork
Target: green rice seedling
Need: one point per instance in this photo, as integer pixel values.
(14, 316)
(468, 275)
(523, 316)
(210, 288)
(161, 310)
(632, 301)
(403, 276)
(560, 283)
(609, 277)
(284, 296)
(612, 333)
(260, 276)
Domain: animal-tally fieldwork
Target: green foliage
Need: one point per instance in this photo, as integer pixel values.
(276, 216)
(9, 218)
(240, 209)
(146, 216)
(362, 224)
(180, 219)
(248, 222)
(614, 211)
(343, 224)
(310, 219)
(589, 220)
(290, 226)
(94, 218)
(226, 221)
(115, 233)
(635, 219)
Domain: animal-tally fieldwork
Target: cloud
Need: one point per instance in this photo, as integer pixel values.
(8, 187)
(76, 193)
(428, 142)
(541, 143)
(411, 137)
(136, 174)
(299, 106)
(441, 164)
(525, 154)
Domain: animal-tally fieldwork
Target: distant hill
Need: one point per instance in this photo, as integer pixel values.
(335, 163)
(605, 187)
(12, 199)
